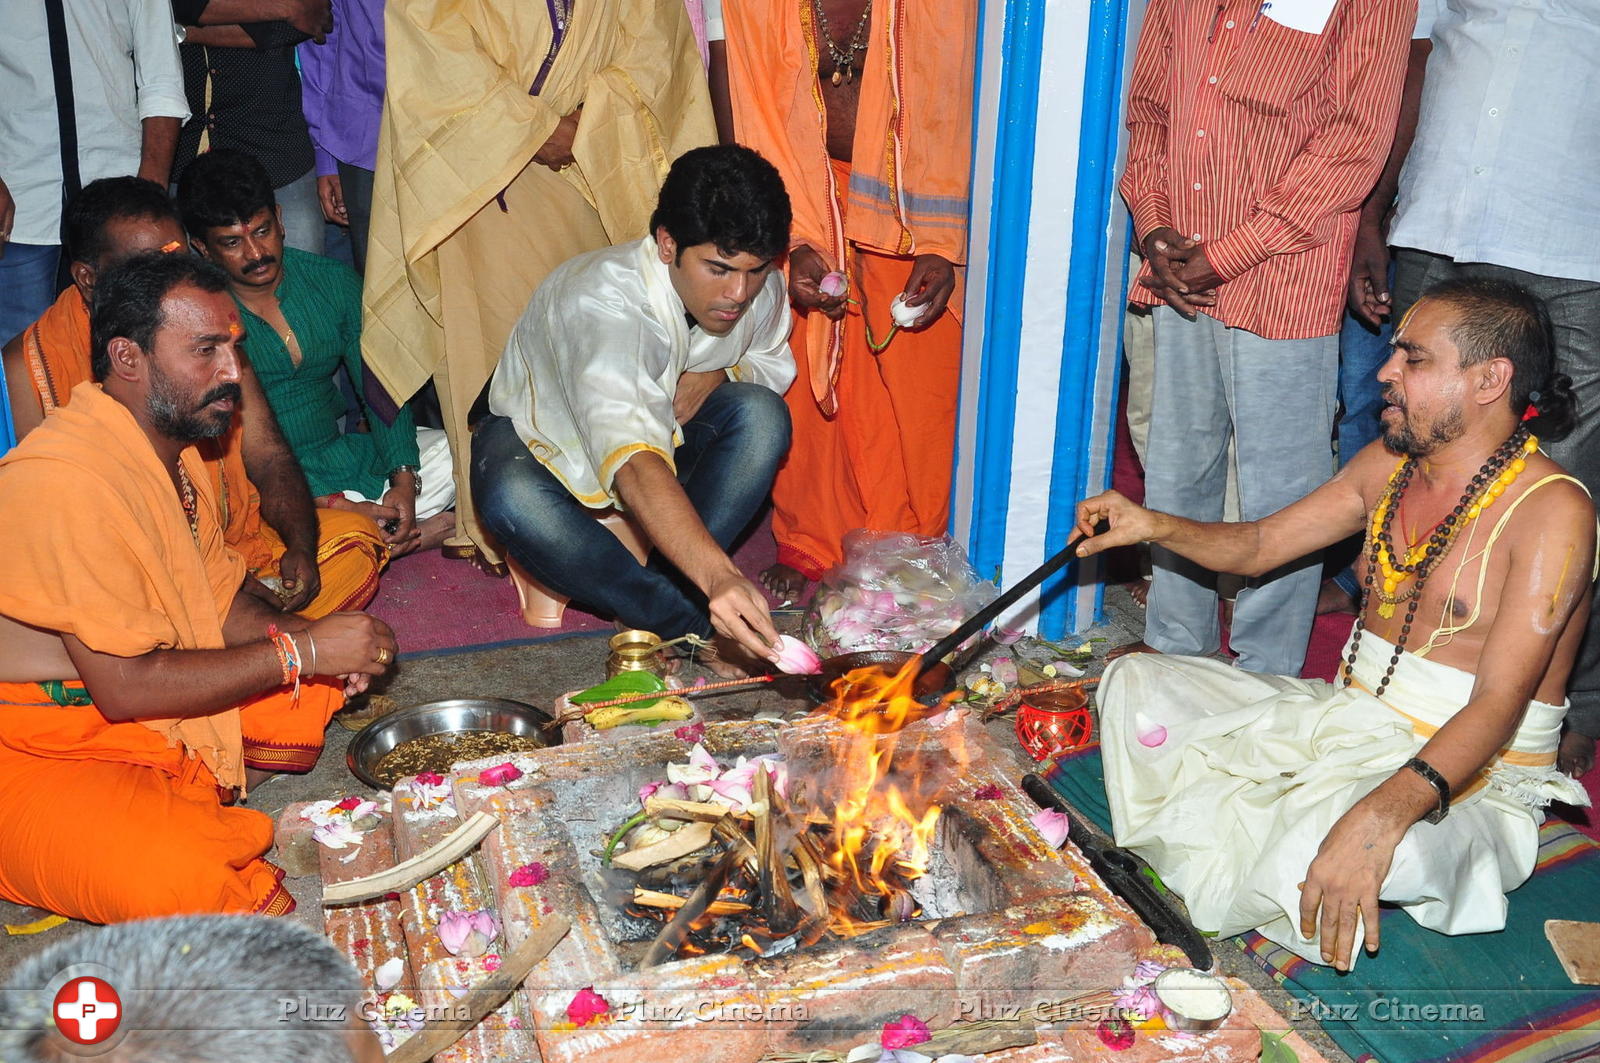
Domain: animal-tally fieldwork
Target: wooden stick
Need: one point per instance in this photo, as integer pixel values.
(680, 842)
(452, 847)
(672, 808)
(437, 1037)
(657, 899)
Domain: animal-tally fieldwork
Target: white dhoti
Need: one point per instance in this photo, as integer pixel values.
(1255, 770)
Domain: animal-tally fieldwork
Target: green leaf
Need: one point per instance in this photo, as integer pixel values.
(621, 685)
(1273, 1050)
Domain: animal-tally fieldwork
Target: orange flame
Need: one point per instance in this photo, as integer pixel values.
(884, 816)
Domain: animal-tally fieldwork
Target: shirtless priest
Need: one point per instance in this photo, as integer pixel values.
(649, 377)
(142, 688)
(1419, 776)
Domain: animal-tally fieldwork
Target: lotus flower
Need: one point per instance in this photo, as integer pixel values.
(1004, 670)
(1055, 668)
(587, 1006)
(701, 769)
(500, 775)
(1051, 825)
(904, 1032)
(429, 790)
(795, 657)
(529, 874)
(387, 976)
(1006, 636)
(904, 315)
(468, 934)
(662, 789)
(833, 284)
(1150, 734)
(1139, 1000)
(1146, 971)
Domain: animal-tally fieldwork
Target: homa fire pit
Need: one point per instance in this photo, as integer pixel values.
(887, 870)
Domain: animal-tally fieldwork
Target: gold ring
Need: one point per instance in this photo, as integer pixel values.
(383, 655)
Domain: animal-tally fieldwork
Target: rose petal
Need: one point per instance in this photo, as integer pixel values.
(1052, 826)
(691, 733)
(991, 792)
(529, 874)
(388, 974)
(587, 1006)
(904, 1032)
(1150, 734)
(500, 775)
(1115, 1034)
(1006, 636)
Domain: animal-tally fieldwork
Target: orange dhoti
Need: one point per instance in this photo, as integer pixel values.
(107, 822)
(350, 554)
(883, 461)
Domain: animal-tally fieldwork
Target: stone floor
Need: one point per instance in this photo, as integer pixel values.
(538, 674)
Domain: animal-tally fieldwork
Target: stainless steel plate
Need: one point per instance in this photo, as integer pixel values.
(450, 716)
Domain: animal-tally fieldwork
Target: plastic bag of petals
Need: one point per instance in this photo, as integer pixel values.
(894, 591)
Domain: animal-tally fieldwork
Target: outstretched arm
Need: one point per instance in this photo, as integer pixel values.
(738, 610)
(1539, 621)
(1332, 512)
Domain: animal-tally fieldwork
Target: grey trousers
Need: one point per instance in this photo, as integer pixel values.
(1274, 399)
(1575, 311)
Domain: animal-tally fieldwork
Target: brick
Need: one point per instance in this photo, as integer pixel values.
(293, 847)
(706, 1009)
(840, 994)
(1045, 951)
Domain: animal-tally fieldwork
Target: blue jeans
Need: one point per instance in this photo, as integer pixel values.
(1362, 352)
(730, 453)
(27, 288)
(302, 213)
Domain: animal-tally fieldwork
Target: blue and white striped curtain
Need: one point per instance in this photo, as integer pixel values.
(1046, 289)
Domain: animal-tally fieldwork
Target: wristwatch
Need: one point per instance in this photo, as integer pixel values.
(416, 475)
(1437, 781)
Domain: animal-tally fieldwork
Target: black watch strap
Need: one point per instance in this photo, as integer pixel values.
(1437, 781)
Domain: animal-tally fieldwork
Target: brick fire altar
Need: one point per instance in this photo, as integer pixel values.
(1009, 927)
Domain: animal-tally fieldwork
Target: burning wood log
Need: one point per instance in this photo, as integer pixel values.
(682, 842)
(672, 902)
(676, 932)
(777, 899)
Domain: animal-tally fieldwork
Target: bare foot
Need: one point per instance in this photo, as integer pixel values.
(1333, 598)
(1130, 647)
(786, 584)
(1576, 754)
(1139, 591)
(436, 529)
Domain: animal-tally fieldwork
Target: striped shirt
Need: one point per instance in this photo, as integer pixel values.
(321, 301)
(1260, 142)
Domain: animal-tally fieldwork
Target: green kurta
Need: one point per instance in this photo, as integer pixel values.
(321, 300)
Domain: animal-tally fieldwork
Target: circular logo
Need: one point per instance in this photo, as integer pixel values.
(87, 1010)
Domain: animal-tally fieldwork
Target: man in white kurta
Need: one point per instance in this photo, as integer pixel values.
(1419, 776)
(648, 377)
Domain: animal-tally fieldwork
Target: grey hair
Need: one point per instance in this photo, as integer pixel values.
(235, 988)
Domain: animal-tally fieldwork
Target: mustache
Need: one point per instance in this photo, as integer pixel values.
(261, 263)
(221, 391)
(1392, 398)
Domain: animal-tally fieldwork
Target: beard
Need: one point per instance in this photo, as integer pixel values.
(1408, 442)
(169, 415)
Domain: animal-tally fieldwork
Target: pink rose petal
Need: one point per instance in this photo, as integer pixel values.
(1052, 826)
(529, 874)
(904, 1032)
(691, 733)
(988, 793)
(500, 775)
(587, 1006)
(1115, 1034)
(1150, 734)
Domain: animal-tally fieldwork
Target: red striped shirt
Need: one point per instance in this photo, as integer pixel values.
(1261, 142)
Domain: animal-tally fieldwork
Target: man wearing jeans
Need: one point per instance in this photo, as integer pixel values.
(649, 377)
(1499, 183)
(1255, 132)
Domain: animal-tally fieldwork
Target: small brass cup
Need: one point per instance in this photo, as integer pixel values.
(635, 651)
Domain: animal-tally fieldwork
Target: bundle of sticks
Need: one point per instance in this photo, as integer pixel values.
(776, 879)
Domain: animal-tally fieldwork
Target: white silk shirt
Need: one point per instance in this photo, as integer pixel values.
(589, 373)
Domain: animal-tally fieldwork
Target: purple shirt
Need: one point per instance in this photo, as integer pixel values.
(343, 87)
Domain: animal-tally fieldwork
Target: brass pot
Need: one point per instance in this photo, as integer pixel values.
(635, 651)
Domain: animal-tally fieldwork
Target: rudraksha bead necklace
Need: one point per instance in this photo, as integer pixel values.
(1403, 581)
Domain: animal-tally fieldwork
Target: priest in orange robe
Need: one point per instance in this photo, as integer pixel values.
(318, 561)
(137, 676)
